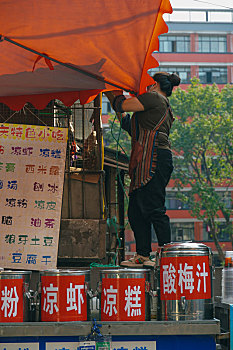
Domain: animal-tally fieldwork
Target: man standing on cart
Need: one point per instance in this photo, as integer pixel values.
(151, 162)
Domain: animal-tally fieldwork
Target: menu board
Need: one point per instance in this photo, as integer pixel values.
(32, 163)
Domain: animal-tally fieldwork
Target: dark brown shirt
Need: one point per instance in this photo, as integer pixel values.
(155, 106)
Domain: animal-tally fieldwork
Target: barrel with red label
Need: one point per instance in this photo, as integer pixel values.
(185, 282)
(15, 297)
(64, 295)
(124, 295)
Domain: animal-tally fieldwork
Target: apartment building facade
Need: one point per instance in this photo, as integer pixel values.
(199, 43)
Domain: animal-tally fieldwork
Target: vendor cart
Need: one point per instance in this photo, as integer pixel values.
(125, 335)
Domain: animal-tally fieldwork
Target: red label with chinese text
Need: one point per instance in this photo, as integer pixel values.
(11, 300)
(63, 298)
(123, 299)
(187, 276)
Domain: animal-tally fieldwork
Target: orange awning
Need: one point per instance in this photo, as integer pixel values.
(111, 40)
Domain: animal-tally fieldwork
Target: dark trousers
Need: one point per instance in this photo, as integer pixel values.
(147, 206)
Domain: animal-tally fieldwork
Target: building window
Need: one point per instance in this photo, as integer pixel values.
(183, 72)
(182, 231)
(210, 75)
(223, 235)
(212, 43)
(174, 43)
(226, 198)
(173, 203)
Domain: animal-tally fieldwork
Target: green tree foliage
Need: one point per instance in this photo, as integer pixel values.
(202, 139)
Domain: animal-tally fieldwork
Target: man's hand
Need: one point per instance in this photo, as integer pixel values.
(112, 94)
(117, 92)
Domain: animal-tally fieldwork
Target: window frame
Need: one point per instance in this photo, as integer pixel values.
(204, 39)
(175, 41)
(182, 226)
(176, 69)
(209, 76)
(206, 234)
(172, 195)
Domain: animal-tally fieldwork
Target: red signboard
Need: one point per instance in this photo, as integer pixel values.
(187, 276)
(123, 299)
(11, 300)
(63, 298)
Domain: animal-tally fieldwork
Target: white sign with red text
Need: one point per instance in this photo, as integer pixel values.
(32, 162)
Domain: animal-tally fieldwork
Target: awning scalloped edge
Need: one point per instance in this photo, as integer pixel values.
(160, 27)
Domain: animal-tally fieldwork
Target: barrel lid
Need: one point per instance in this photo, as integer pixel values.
(125, 271)
(189, 247)
(11, 272)
(60, 272)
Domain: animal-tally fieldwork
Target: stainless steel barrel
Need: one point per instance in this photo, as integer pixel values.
(64, 295)
(15, 297)
(185, 282)
(124, 295)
